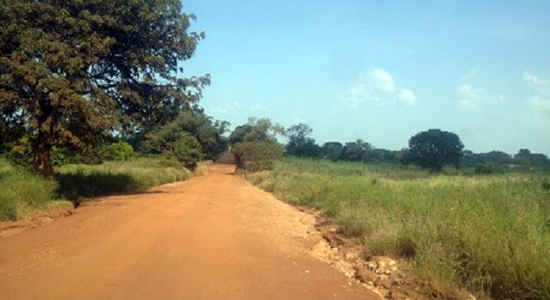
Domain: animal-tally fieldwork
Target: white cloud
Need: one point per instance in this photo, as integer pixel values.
(407, 97)
(259, 107)
(382, 80)
(540, 101)
(230, 108)
(540, 84)
(236, 108)
(468, 97)
(377, 88)
(472, 97)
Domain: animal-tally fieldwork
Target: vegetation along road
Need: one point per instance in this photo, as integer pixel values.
(212, 237)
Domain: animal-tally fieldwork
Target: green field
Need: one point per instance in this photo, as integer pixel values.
(488, 235)
(22, 193)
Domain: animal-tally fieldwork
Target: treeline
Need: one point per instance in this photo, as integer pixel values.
(448, 149)
(498, 159)
(191, 136)
(256, 147)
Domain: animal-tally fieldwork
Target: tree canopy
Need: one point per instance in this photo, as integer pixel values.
(254, 144)
(257, 130)
(356, 151)
(433, 149)
(193, 135)
(72, 71)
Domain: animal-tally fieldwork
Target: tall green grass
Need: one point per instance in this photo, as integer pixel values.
(77, 182)
(22, 193)
(489, 235)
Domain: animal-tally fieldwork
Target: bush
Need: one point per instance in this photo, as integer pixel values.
(118, 151)
(188, 151)
(257, 156)
(91, 156)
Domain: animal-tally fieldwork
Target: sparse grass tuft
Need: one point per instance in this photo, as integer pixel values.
(488, 235)
(201, 170)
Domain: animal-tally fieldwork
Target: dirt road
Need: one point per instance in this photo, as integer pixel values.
(212, 237)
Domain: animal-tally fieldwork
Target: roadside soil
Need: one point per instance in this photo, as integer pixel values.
(211, 237)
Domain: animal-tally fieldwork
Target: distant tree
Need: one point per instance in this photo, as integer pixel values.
(257, 156)
(356, 151)
(173, 142)
(187, 151)
(493, 158)
(332, 150)
(539, 160)
(433, 149)
(374, 154)
(300, 143)
(497, 157)
(526, 158)
(470, 159)
(255, 144)
(523, 157)
(257, 130)
(390, 156)
(208, 132)
(239, 133)
(72, 71)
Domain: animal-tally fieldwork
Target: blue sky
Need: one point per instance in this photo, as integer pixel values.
(381, 70)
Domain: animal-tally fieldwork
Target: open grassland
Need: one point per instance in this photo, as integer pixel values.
(488, 235)
(22, 193)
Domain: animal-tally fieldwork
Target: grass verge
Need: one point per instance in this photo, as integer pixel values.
(488, 235)
(77, 182)
(22, 193)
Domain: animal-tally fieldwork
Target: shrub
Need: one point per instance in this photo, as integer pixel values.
(201, 170)
(257, 156)
(91, 156)
(188, 151)
(118, 151)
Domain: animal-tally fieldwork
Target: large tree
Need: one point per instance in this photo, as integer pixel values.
(433, 149)
(72, 71)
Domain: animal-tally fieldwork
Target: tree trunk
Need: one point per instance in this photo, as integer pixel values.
(42, 155)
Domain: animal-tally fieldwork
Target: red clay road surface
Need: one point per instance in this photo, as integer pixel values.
(212, 237)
